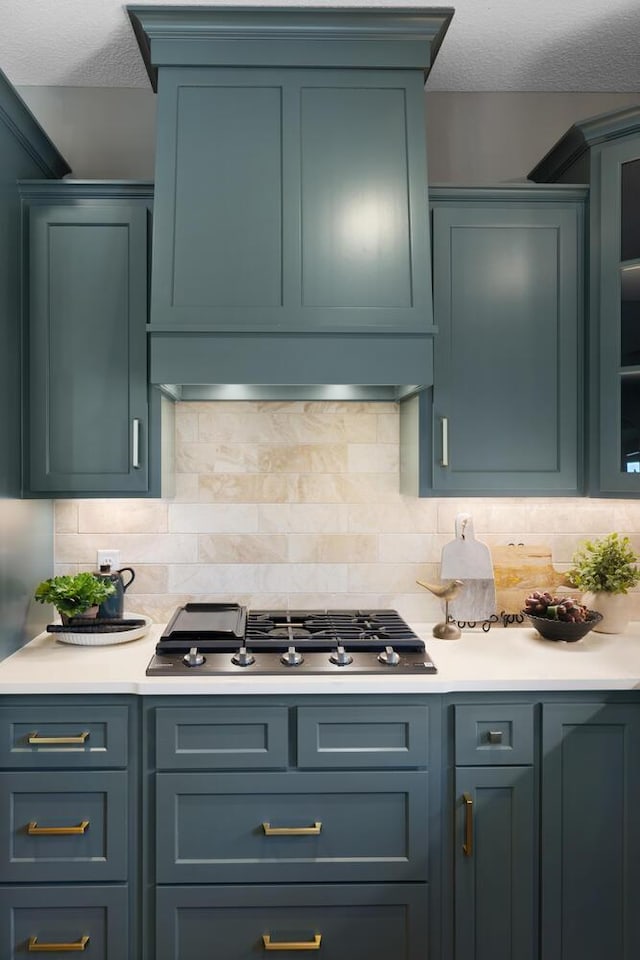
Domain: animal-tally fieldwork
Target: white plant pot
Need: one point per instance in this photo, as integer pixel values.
(615, 610)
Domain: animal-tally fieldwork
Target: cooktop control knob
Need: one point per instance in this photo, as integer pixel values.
(243, 658)
(340, 657)
(389, 656)
(291, 658)
(193, 658)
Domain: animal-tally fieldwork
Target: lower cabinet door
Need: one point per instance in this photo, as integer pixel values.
(65, 920)
(495, 864)
(349, 922)
(590, 878)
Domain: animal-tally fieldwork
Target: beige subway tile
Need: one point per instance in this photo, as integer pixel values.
(373, 458)
(387, 577)
(134, 548)
(305, 577)
(242, 548)
(216, 457)
(160, 608)
(247, 488)
(213, 578)
(488, 515)
(240, 426)
(187, 488)
(186, 423)
(409, 547)
(333, 548)
(122, 516)
(570, 516)
(407, 515)
(66, 516)
(343, 488)
(150, 578)
(66, 569)
(302, 458)
(213, 517)
(419, 608)
(388, 428)
(303, 517)
(313, 427)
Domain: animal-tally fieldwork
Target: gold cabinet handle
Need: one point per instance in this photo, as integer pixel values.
(38, 741)
(269, 944)
(35, 947)
(292, 831)
(35, 831)
(467, 846)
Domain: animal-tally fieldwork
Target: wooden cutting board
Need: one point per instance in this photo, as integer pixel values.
(520, 568)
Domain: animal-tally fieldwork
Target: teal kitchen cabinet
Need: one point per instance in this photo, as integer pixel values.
(590, 832)
(495, 835)
(605, 152)
(505, 413)
(92, 429)
(328, 839)
(69, 835)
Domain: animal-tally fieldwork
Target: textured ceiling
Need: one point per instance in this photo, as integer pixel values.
(587, 45)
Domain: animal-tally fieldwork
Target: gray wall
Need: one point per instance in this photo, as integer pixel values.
(473, 137)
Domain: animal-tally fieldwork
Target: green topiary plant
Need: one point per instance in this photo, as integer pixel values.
(73, 595)
(605, 566)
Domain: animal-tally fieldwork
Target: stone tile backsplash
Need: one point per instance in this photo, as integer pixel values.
(296, 505)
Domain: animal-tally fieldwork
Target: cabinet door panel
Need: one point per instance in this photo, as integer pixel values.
(87, 349)
(590, 832)
(507, 297)
(495, 864)
(352, 921)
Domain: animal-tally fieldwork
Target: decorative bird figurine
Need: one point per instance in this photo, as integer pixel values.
(446, 591)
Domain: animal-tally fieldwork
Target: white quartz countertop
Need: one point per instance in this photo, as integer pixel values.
(516, 658)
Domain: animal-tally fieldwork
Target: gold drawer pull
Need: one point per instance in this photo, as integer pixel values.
(38, 741)
(35, 947)
(467, 846)
(35, 831)
(314, 944)
(292, 831)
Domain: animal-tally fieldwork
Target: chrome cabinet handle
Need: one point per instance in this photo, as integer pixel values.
(37, 740)
(135, 454)
(444, 427)
(467, 846)
(35, 831)
(292, 831)
(34, 947)
(270, 944)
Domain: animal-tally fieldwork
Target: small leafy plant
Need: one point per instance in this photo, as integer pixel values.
(607, 565)
(73, 594)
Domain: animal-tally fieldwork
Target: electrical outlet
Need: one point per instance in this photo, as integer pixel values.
(109, 558)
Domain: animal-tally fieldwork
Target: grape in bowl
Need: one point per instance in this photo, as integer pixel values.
(559, 618)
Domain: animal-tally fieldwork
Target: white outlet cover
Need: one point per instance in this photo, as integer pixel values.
(110, 558)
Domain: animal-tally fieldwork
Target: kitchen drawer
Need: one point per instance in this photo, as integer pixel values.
(216, 828)
(222, 738)
(371, 736)
(61, 915)
(63, 736)
(353, 922)
(495, 734)
(92, 804)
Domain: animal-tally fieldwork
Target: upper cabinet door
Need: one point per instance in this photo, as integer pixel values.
(291, 201)
(87, 416)
(615, 343)
(508, 305)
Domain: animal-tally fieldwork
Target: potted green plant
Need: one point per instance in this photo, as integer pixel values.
(605, 570)
(74, 595)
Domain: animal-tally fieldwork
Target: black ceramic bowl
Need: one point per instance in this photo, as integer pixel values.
(561, 630)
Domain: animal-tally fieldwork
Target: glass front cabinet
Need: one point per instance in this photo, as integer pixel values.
(605, 152)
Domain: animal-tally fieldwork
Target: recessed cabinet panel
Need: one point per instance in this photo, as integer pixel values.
(220, 178)
(355, 217)
(341, 923)
(629, 206)
(88, 409)
(507, 301)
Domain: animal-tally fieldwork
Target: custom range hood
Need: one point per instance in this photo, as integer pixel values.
(291, 253)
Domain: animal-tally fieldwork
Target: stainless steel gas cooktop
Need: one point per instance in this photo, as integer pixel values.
(226, 639)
